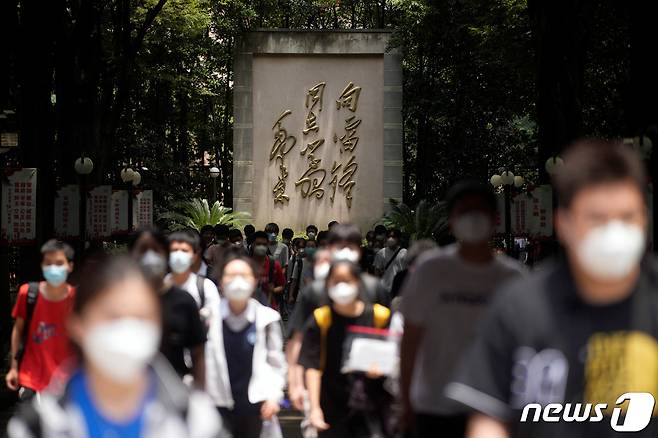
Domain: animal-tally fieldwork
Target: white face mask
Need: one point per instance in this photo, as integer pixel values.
(122, 349)
(154, 264)
(611, 251)
(346, 254)
(180, 261)
(472, 227)
(321, 271)
(343, 293)
(238, 289)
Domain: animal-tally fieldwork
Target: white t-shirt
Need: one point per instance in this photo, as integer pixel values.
(447, 296)
(382, 258)
(209, 290)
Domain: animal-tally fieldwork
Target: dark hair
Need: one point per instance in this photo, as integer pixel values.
(312, 227)
(97, 277)
(272, 227)
(54, 245)
(155, 233)
(592, 162)
(380, 229)
(331, 224)
(287, 233)
(469, 188)
(206, 228)
(249, 230)
(370, 235)
(234, 232)
(394, 231)
(187, 236)
(221, 231)
(322, 235)
(297, 240)
(259, 234)
(229, 255)
(344, 233)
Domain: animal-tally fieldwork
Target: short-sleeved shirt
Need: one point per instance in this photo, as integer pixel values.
(335, 385)
(278, 279)
(98, 425)
(447, 296)
(182, 327)
(48, 345)
(314, 295)
(209, 290)
(280, 253)
(382, 259)
(541, 343)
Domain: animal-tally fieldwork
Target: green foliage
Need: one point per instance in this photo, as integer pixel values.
(426, 221)
(196, 213)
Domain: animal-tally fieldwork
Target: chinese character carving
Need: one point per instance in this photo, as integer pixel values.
(349, 98)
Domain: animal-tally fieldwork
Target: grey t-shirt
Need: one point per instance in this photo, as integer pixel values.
(447, 296)
(280, 253)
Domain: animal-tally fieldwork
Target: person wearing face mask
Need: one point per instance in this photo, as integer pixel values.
(272, 278)
(278, 250)
(183, 330)
(311, 232)
(184, 248)
(582, 329)
(321, 263)
(38, 340)
(334, 409)
(236, 239)
(119, 387)
(286, 237)
(307, 270)
(442, 302)
(296, 268)
(245, 362)
(390, 259)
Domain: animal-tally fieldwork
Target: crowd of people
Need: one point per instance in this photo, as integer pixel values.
(207, 333)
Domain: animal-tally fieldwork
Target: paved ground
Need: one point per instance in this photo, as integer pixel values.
(290, 420)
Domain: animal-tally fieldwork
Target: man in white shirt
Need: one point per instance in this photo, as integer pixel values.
(184, 248)
(442, 302)
(391, 259)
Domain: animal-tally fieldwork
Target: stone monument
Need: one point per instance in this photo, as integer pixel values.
(317, 128)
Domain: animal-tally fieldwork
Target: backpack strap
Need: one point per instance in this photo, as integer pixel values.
(322, 316)
(381, 315)
(32, 297)
(390, 262)
(200, 285)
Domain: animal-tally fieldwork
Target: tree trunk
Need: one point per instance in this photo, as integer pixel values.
(560, 30)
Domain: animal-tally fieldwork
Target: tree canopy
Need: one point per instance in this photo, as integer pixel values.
(487, 84)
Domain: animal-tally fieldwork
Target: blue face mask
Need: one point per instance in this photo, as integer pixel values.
(272, 237)
(55, 275)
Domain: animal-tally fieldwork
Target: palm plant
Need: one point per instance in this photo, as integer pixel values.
(425, 221)
(196, 213)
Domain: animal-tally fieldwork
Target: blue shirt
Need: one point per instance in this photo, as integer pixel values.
(99, 426)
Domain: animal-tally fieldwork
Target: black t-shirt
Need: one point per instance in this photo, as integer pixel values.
(542, 344)
(182, 327)
(313, 296)
(335, 385)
